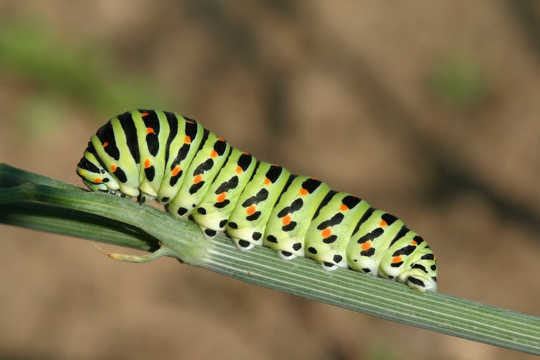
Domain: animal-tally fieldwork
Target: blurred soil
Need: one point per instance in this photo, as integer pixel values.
(427, 109)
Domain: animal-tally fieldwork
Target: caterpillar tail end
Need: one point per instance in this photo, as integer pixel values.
(162, 251)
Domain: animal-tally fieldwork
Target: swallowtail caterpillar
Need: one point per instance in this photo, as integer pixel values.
(160, 155)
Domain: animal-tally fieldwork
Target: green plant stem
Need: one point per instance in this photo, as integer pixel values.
(75, 223)
(37, 202)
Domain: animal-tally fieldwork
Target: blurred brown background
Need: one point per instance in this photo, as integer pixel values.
(427, 109)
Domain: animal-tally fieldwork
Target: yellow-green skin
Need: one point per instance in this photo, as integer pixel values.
(160, 155)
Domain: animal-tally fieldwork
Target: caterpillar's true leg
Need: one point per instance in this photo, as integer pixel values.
(143, 197)
(162, 251)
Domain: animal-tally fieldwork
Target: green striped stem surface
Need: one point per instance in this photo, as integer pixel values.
(37, 202)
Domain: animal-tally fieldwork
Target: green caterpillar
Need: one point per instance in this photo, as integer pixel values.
(160, 155)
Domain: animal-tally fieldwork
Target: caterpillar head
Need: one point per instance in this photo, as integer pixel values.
(94, 176)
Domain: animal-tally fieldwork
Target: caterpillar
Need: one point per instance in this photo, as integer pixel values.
(173, 159)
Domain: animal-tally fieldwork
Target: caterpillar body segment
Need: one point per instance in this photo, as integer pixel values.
(213, 212)
(161, 155)
(153, 125)
(375, 230)
(120, 165)
(330, 231)
(201, 173)
(185, 138)
(247, 223)
(291, 217)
